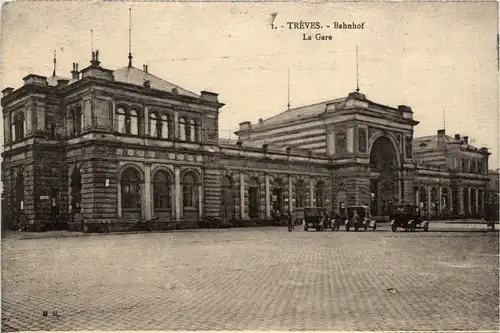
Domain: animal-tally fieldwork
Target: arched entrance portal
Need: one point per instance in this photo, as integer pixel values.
(384, 181)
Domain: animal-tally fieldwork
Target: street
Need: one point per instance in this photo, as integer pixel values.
(253, 279)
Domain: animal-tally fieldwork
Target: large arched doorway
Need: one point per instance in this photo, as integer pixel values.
(162, 199)
(189, 196)
(466, 201)
(131, 194)
(320, 194)
(278, 195)
(253, 198)
(228, 206)
(384, 182)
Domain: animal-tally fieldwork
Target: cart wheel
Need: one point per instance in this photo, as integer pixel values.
(394, 228)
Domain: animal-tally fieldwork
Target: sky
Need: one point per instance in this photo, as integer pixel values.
(440, 58)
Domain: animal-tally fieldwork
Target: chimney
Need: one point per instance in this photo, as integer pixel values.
(209, 96)
(7, 91)
(441, 132)
(145, 68)
(261, 121)
(75, 74)
(457, 136)
(466, 139)
(95, 59)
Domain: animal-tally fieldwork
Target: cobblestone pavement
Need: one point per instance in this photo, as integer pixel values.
(253, 279)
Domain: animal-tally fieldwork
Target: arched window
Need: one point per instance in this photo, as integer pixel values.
(253, 198)
(300, 192)
(161, 190)
(70, 122)
(153, 124)
(320, 194)
(77, 123)
(182, 129)
(189, 192)
(164, 126)
(228, 198)
(19, 127)
(134, 123)
(192, 130)
(131, 189)
(122, 120)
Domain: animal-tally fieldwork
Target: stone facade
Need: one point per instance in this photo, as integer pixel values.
(123, 145)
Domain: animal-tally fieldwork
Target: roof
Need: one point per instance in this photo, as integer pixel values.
(271, 148)
(431, 142)
(52, 80)
(135, 76)
(299, 113)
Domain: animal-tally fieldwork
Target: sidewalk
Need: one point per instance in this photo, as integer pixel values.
(455, 225)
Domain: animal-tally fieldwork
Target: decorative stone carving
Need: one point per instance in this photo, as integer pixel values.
(371, 132)
(340, 144)
(408, 146)
(362, 140)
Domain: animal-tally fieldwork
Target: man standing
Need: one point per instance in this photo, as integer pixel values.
(290, 222)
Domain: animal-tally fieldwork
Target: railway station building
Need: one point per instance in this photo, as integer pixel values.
(123, 145)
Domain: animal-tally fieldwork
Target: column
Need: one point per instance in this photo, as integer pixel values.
(350, 140)
(146, 120)
(176, 125)
(331, 143)
(177, 192)
(147, 199)
(450, 200)
(429, 200)
(469, 201)
(242, 196)
(417, 197)
(477, 200)
(400, 188)
(440, 196)
(268, 202)
(290, 195)
(200, 201)
(311, 193)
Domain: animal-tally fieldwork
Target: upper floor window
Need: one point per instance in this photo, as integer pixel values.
(182, 129)
(192, 130)
(74, 121)
(164, 126)
(153, 124)
(18, 128)
(128, 121)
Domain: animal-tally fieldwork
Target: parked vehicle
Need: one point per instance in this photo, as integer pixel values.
(316, 218)
(407, 217)
(491, 215)
(363, 220)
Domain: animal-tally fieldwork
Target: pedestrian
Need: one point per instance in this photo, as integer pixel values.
(290, 224)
